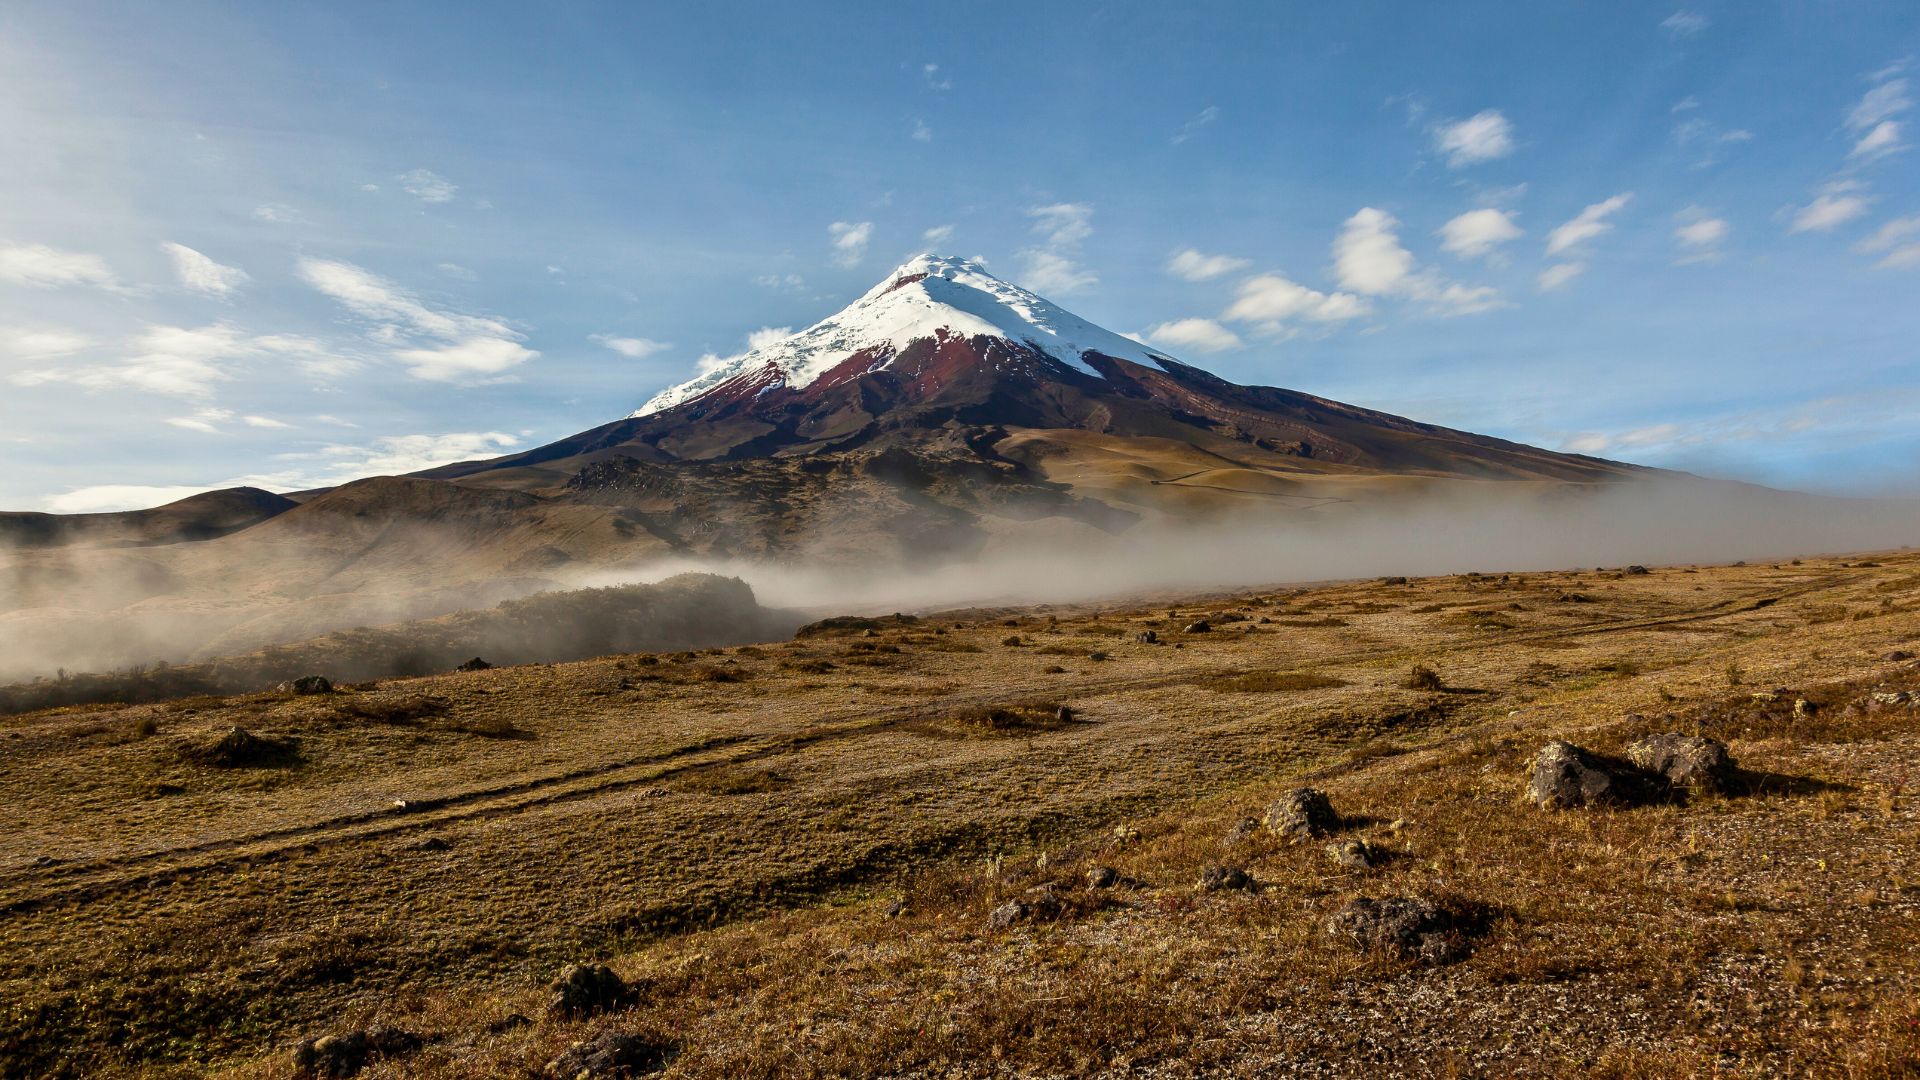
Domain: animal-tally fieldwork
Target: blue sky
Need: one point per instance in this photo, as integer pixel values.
(291, 243)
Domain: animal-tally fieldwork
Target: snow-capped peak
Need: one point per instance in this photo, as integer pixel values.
(926, 294)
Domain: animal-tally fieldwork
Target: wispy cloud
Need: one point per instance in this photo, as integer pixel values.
(462, 348)
(176, 361)
(1193, 266)
(51, 268)
(1477, 234)
(849, 241)
(1685, 24)
(1559, 276)
(1586, 225)
(1699, 235)
(428, 186)
(1272, 302)
(1484, 136)
(1369, 259)
(1837, 203)
(1198, 335)
(1192, 127)
(1051, 268)
(937, 235)
(201, 274)
(931, 78)
(632, 347)
(1897, 243)
(921, 132)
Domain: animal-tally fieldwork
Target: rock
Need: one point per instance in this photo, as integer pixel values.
(1896, 656)
(1146, 637)
(898, 910)
(1803, 708)
(1008, 914)
(1399, 926)
(240, 748)
(1394, 580)
(1063, 714)
(347, 1054)
(587, 989)
(1302, 814)
(433, 843)
(611, 1053)
(1102, 877)
(475, 664)
(1355, 854)
(1201, 627)
(1895, 697)
(1686, 761)
(1223, 878)
(1637, 569)
(509, 1022)
(1241, 831)
(311, 684)
(1565, 776)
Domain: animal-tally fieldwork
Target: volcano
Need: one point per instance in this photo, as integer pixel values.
(942, 354)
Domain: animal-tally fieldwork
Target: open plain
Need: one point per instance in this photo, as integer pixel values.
(1013, 842)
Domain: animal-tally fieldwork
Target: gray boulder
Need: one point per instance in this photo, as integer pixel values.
(348, 1053)
(1686, 761)
(1399, 926)
(611, 1053)
(1563, 776)
(1226, 879)
(1201, 627)
(311, 684)
(1302, 814)
(1356, 854)
(588, 989)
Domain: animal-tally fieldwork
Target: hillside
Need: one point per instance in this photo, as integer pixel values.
(882, 849)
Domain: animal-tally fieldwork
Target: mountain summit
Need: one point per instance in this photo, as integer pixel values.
(937, 301)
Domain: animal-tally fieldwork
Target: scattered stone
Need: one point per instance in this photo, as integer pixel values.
(1146, 637)
(1103, 877)
(509, 1022)
(347, 1054)
(433, 843)
(898, 910)
(1302, 814)
(1895, 697)
(1229, 617)
(1241, 832)
(1896, 656)
(1394, 580)
(475, 664)
(1686, 761)
(611, 1053)
(1224, 878)
(1400, 926)
(1009, 914)
(587, 989)
(1565, 776)
(311, 684)
(1201, 627)
(1063, 714)
(1356, 854)
(1637, 569)
(240, 748)
(1803, 708)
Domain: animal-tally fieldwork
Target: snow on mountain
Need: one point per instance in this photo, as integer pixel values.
(925, 295)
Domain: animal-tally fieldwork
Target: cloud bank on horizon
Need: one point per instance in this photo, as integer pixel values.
(1683, 237)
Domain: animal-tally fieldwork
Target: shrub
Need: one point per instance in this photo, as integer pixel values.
(1424, 678)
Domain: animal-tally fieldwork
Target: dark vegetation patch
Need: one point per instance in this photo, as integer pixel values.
(841, 625)
(401, 709)
(238, 748)
(1266, 682)
(991, 721)
(1305, 624)
(736, 780)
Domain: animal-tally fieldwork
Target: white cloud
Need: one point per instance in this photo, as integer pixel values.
(1452, 298)
(1899, 239)
(781, 281)
(1476, 233)
(921, 132)
(428, 186)
(930, 75)
(1837, 204)
(1367, 256)
(50, 268)
(469, 346)
(1271, 299)
(174, 360)
(938, 235)
(202, 274)
(1201, 335)
(850, 241)
(455, 270)
(1484, 136)
(1193, 266)
(264, 422)
(1051, 268)
(1883, 102)
(278, 214)
(1558, 275)
(1881, 140)
(1586, 225)
(1699, 235)
(464, 360)
(1192, 127)
(1685, 24)
(768, 335)
(23, 343)
(636, 348)
(204, 420)
(394, 454)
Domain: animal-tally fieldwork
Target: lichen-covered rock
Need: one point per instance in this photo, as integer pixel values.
(1009, 914)
(1400, 926)
(347, 1053)
(588, 989)
(1147, 637)
(1226, 879)
(1685, 761)
(1302, 814)
(611, 1053)
(1201, 627)
(1563, 776)
(1103, 877)
(1355, 854)
(311, 684)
